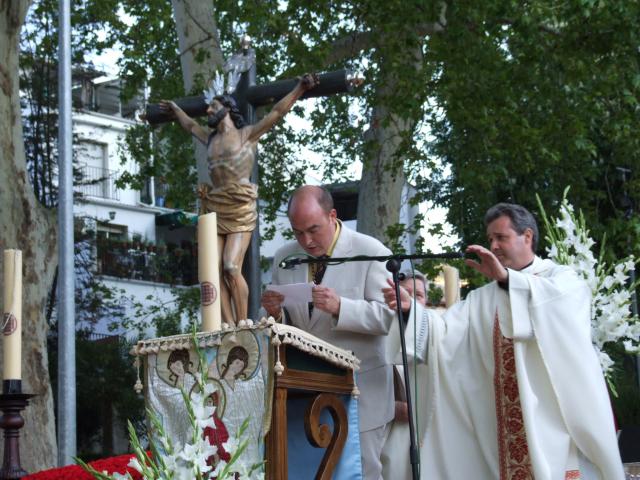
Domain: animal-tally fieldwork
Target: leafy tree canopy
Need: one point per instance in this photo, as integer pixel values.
(502, 99)
(531, 98)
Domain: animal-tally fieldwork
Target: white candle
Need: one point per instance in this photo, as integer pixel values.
(451, 285)
(12, 318)
(208, 272)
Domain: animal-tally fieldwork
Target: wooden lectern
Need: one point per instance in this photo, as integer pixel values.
(322, 382)
(281, 367)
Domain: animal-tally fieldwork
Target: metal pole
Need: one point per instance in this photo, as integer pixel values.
(393, 265)
(66, 306)
(251, 265)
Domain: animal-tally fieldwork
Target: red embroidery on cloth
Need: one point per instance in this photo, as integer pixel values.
(513, 450)
(572, 475)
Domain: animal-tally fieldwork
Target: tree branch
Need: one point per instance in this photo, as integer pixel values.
(349, 45)
(207, 35)
(194, 45)
(15, 12)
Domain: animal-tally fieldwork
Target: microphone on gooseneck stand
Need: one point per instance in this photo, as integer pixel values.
(296, 259)
(292, 261)
(288, 264)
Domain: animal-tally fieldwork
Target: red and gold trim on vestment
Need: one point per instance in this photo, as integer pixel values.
(513, 450)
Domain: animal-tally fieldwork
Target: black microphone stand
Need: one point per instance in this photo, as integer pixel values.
(298, 259)
(393, 265)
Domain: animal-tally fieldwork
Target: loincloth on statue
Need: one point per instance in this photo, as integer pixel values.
(234, 205)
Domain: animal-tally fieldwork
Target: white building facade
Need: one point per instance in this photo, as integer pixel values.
(134, 250)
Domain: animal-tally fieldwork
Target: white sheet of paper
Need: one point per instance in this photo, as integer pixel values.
(293, 292)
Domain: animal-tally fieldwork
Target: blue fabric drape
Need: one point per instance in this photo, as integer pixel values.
(304, 459)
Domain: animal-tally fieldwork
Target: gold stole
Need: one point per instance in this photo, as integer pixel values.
(513, 449)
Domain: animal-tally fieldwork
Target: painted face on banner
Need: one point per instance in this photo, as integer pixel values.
(177, 367)
(236, 367)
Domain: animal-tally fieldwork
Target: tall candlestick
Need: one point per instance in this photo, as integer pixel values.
(12, 318)
(451, 285)
(209, 272)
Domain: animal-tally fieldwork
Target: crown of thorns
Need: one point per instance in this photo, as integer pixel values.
(217, 85)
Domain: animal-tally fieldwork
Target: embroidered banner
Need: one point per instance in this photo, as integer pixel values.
(241, 364)
(237, 364)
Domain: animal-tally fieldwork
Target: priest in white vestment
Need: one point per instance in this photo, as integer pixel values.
(514, 389)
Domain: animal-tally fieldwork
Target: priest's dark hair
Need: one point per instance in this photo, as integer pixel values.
(520, 217)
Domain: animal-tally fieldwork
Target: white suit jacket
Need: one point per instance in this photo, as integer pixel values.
(364, 319)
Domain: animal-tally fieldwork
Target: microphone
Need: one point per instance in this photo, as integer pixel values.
(289, 264)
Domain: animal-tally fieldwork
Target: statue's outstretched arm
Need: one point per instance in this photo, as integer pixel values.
(185, 121)
(280, 109)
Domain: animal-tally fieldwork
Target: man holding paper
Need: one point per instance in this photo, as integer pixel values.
(347, 307)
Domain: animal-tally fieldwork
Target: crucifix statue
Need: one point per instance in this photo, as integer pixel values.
(231, 152)
(231, 142)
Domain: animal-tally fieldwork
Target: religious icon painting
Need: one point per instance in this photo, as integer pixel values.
(170, 372)
(238, 364)
(177, 368)
(238, 357)
(239, 368)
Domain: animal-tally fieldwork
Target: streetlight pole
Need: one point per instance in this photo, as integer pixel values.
(66, 285)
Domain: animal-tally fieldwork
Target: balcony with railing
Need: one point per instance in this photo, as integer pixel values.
(170, 264)
(98, 182)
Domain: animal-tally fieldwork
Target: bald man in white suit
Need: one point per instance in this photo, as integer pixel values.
(348, 308)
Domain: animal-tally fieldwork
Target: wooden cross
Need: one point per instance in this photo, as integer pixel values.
(248, 97)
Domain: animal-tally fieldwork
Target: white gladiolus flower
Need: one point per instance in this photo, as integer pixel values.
(611, 320)
(209, 389)
(208, 449)
(188, 453)
(231, 444)
(135, 464)
(566, 224)
(204, 415)
(629, 264)
(119, 476)
(620, 276)
(171, 462)
(201, 461)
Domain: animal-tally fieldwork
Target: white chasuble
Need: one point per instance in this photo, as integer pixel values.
(513, 386)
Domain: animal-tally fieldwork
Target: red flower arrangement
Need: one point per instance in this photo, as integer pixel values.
(75, 472)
